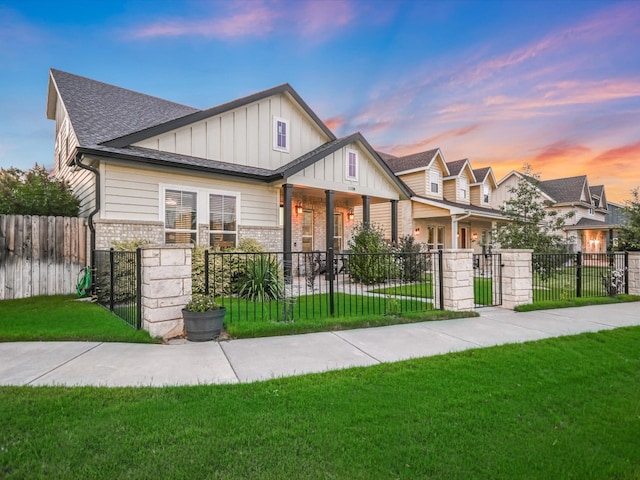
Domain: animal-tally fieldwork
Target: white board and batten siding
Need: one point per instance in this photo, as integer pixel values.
(330, 173)
(244, 136)
(41, 255)
(135, 194)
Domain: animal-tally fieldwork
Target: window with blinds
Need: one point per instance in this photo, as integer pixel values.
(223, 226)
(434, 179)
(180, 216)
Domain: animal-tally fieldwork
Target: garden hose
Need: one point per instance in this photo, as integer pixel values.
(83, 287)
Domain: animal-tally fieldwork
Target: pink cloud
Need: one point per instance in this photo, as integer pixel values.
(250, 19)
(334, 123)
(431, 142)
(247, 19)
(559, 152)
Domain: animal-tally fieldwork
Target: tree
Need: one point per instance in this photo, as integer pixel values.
(35, 192)
(531, 224)
(629, 234)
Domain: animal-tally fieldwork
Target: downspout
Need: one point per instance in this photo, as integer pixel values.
(454, 228)
(77, 161)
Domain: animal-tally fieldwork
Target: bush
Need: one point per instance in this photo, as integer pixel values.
(261, 279)
(371, 260)
(413, 262)
(224, 270)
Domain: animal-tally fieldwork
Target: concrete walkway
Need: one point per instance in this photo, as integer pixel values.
(187, 363)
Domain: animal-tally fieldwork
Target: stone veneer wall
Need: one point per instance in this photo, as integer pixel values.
(166, 288)
(634, 273)
(109, 231)
(457, 279)
(517, 277)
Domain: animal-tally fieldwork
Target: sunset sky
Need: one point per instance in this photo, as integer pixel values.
(552, 83)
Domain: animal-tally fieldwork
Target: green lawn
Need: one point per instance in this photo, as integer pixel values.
(63, 318)
(252, 329)
(563, 284)
(559, 408)
(576, 302)
(421, 290)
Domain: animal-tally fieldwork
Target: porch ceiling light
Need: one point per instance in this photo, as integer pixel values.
(299, 208)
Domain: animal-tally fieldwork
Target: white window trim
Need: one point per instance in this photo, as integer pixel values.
(463, 182)
(346, 173)
(438, 181)
(486, 190)
(202, 206)
(276, 147)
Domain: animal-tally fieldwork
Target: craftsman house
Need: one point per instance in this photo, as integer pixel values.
(590, 229)
(262, 167)
(450, 206)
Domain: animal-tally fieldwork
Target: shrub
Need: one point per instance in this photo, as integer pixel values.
(261, 280)
(413, 262)
(371, 260)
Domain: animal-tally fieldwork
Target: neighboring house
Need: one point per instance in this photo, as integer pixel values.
(451, 203)
(589, 230)
(262, 167)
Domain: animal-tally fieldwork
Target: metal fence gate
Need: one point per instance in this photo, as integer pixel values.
(117, 281)
(487, 279)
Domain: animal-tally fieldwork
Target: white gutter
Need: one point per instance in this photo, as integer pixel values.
(454, 227)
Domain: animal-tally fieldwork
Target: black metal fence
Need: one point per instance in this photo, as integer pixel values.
(117, 283)
(561, 276)
(487, 279)
(303, 285)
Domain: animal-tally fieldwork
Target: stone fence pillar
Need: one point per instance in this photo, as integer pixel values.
(517, 277)
(457, 279)
(634, 273)
(166, 288)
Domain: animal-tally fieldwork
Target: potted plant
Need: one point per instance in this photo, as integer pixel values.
(203, 318)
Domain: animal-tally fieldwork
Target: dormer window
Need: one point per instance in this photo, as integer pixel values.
(280, 134)
(591, 211)
(434, 179)
(352, 165)
(464, 187)
(486, 194)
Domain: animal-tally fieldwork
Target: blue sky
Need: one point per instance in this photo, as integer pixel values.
(552, 83)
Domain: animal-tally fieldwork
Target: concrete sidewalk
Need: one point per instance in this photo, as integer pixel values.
(187, 363)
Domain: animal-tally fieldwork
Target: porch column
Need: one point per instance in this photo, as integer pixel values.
(454, 232)
(287, 193)
(329, 231)
(366, 209)
(394, 221)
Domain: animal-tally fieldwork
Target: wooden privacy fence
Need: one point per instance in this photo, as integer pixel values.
(41, 255)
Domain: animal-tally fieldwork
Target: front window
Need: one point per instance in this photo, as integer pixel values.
(222, 221)
(464, 185)
(440, 238)
(435, 237)
(434, 178)
(352, 165)
(180, 216)
(280, 134)
(307, 230)
(485, 194)
(338, 232)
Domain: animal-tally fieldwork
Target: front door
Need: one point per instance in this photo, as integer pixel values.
(463, 238)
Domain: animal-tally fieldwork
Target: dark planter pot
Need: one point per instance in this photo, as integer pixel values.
(203, 326)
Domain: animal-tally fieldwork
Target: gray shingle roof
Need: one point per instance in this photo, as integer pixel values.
(410, 162)
(155, 157)
(455, 167)
(481, 173)
(472, 208)
(564, 189)
(101, 112)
